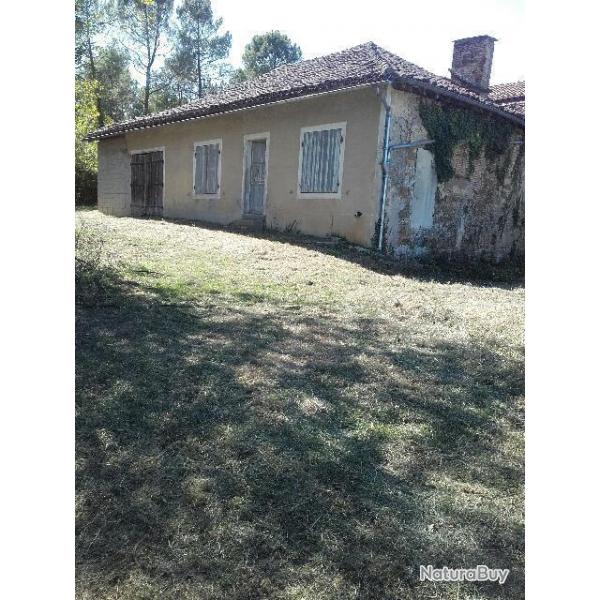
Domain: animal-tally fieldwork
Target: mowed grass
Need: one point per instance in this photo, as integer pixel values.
(271, 417)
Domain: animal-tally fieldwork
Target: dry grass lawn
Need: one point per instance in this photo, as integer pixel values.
(270, 417)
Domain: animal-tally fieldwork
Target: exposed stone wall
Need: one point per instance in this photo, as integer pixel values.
(480, 211)
(477, 215)
(472, 61)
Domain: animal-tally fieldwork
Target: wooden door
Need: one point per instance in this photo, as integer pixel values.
(138, 184)
(147, 184)
(256, 168)
(423, 203)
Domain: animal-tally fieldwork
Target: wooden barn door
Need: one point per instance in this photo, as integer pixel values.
(147, 184)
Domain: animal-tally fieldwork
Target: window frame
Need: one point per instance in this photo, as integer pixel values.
(322, 195)
(203, 196)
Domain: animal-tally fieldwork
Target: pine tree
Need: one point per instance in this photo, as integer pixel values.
(200, 50)
(91, 21)
(145, 25)
(267, 52)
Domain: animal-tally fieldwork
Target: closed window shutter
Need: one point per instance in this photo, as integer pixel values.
(321, 161)
(207, 169)
(212, 169)
(200, 182)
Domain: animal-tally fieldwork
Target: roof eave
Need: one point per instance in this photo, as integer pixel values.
(429, 89)
(509, 99)
(289, 96)
(397, 81)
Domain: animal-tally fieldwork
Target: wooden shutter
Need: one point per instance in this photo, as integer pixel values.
(155, 191)
(212, 168)
(200, 172)
(207, 159)
(321, 161)
(138, 198)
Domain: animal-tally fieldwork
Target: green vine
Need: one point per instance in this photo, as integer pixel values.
(449, 126)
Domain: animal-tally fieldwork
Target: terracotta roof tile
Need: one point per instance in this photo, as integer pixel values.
(510, 96)
(516, 108)
(363, 64)
(507, 92)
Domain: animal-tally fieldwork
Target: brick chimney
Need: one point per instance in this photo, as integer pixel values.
(472, 62)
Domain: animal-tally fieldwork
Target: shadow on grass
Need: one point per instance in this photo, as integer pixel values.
(239, 452)
(508, 274)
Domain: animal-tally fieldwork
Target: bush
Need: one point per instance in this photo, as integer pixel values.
(86, 159)
(94, 275)
(86, 186)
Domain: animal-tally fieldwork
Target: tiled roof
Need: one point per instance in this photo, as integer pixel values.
(516, 108)
(363, 64)
(507, 92)
(510, 96)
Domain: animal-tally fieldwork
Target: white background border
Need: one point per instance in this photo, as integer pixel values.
(563, 220)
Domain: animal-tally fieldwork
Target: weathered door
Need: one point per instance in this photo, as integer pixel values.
(421, 215)
(256, 168)
(147, 184)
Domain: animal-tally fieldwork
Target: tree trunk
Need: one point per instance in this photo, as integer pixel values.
(93, 75)
(147, 91)
(149, 60)
(199, 73)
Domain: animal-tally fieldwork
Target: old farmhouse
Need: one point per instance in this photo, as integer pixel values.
(359, 144)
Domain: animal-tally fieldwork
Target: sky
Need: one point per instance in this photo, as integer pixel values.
(420, 31)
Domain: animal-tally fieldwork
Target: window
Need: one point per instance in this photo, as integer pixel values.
(207, 169)
(321, 161)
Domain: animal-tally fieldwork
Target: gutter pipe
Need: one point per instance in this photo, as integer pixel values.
(387, 148)
(417, 144)
(384, 171)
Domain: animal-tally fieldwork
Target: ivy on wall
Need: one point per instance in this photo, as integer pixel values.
(450, 126)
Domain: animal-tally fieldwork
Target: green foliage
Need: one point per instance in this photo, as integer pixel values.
(197, 61)
(114, 38)
(116, 87)
(268, 51)
(86, 161)
(450, 126)
(238, 76)
(92, 18)
(91, 21)
(93, 270)
(145, 24)
(171, 85)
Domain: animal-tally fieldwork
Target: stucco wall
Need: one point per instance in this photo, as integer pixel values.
(475, 215)
(359, 108)
(114, 177)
